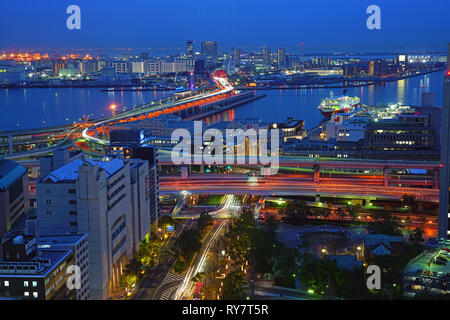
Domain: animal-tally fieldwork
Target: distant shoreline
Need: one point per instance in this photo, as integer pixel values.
(372, 82)
(141, 87)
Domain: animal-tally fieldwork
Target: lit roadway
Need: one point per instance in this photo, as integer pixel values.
(288, 185)
(185, 290)
(67, 136)
(164, 158)
(159, 278)
(223, 84)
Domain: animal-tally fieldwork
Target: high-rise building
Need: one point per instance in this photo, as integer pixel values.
(190, 49)
(31, 273)
(377, 68)
(237, 57)
(121, 66)
(281, 58)
(443, 229)
(14, 200)
(209, 51)
(57, 66)
(109, 201)
(266, 57)
(127, 144)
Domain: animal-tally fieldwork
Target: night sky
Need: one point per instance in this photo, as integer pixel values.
(322, 24)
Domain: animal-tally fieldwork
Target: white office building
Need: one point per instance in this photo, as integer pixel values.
(108, 200)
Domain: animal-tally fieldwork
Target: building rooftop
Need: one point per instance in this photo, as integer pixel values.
(47, 241)
(69, 172)
(10, 172)
(40, 266)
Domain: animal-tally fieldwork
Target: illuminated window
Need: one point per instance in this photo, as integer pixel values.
(26, 294)
(25, 283)
(35, 294)
(34, 283)
(6, 283)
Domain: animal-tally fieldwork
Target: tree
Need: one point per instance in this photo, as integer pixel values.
(296, 210)
(133, 267)
(271, 225)
(416, 236)
(422, 221)
(233, 286)
(341, 213)
(198, 277)
(409, 201)
(285, 267)
(127, 280)
(263, 249)
(315, 273)
(149, 252)
(187, 243)
(240, 237)
(352, 211)
(204, 221)
(388, 224)
(165, 221)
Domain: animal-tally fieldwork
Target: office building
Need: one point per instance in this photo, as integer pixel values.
(443, 228)
(190, 49)
(97, 198)
(237, 57)
(281, 59)
(209, 52)
(121, 66)
(14, 198)
(266, 58)
(291, 128)
(31, 273)
(377, 68)
(59, 158)
(407, 135)
(128, 144)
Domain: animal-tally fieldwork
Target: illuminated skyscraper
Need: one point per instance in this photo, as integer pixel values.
(266, 57)
(209, 51)
(237, 56)
(190, 49)
(443, 230)
(281, 58)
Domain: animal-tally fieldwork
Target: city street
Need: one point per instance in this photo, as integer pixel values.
(159, 278)
(185, 291)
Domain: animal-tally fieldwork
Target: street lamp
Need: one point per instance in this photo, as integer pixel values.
(113, 107)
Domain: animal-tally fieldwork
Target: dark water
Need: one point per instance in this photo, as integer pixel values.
(35, 108)
(302, 104)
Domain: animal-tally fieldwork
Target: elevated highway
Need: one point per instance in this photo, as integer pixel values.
(289, 186)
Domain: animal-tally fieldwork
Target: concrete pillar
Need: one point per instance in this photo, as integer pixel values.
(201, 169)
(316, 177)
(104, 131)
(117, 275)
(184, 172)
(386, 177)
(10, 144)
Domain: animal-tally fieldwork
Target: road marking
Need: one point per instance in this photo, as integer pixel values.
(170, 277)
